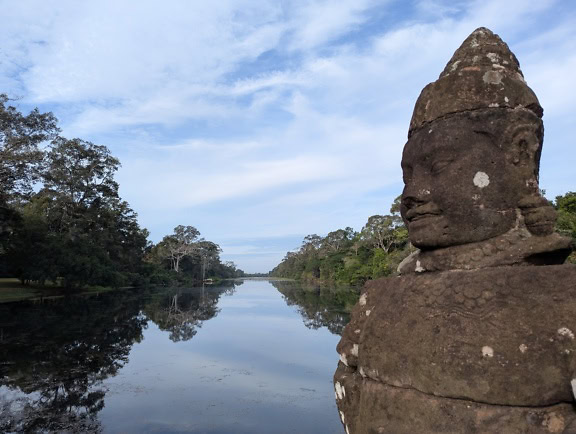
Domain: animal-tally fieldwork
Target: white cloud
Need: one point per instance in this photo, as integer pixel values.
(320, 21)
(179, 187)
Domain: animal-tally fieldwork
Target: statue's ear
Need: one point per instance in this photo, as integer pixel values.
(522, 144)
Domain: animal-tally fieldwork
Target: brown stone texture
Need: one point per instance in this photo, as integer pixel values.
(386, 409)
(466, 174)
(516, 247)
(503, 335)
(482, 73)
(481, 351)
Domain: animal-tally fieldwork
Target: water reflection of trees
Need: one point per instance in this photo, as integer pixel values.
(55, 355)
(320, 306)
(181, 312)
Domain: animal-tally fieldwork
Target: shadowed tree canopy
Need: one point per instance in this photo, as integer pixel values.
(72, 227)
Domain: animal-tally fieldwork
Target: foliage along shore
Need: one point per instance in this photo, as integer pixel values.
(348, 257)
(63, 223)
(345, 256)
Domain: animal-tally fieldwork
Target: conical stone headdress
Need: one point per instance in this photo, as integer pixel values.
(483, 73)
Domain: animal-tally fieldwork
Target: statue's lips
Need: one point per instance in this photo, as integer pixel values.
(424, 216)
(422, 212)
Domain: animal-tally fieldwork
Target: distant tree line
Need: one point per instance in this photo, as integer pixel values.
(184, 257)
(63, 222)
(349, 257)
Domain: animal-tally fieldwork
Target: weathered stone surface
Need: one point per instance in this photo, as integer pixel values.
(503, 335)
(515, 247)
(477, 334)
(380, 408)
(466, 174)
(482, 73)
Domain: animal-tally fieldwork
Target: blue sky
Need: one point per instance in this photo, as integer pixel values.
(260, 122)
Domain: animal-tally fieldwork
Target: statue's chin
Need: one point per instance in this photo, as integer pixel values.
(434, 232)
(429, 232)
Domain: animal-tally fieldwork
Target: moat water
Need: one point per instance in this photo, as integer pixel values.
(252, 356)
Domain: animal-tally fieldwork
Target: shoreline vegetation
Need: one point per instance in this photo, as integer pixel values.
(64, 226)
(12, 290)
(347, 257)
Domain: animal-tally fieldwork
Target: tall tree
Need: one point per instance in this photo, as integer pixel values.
(78, 177)
(20, 154)
(338, 239)
(384, 232)
(209, 253)
(77, 227)
(180, 244)
(311, 243)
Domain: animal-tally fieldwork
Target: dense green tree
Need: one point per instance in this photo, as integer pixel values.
(184, 259)
(20, 154)
(79, 180)
(566, 207)
(208, 253)
(76, 229)
(566, 223)
(338, 239)
(311, 243)
(345, 256)
(384, 232)
(21, 139)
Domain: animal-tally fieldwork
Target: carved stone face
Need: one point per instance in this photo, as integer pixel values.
(461, 186)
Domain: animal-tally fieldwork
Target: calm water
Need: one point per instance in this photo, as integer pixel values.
(251, 357)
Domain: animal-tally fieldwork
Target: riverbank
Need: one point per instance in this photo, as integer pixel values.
(12, 290)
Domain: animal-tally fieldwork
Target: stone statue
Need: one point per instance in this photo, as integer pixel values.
(477, 334)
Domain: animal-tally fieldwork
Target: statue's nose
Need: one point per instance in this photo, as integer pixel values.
(416, 191)
(411, 201)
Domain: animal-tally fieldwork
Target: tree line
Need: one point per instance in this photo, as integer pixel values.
(349, 257)
(63, 222)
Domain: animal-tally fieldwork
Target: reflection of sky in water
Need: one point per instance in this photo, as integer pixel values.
(254, 368)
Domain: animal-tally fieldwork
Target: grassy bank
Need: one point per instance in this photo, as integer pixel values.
(12, 290)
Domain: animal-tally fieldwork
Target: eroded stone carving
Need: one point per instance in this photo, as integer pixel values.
(473, 336)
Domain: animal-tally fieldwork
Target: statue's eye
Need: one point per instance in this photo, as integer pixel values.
(440, 165)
